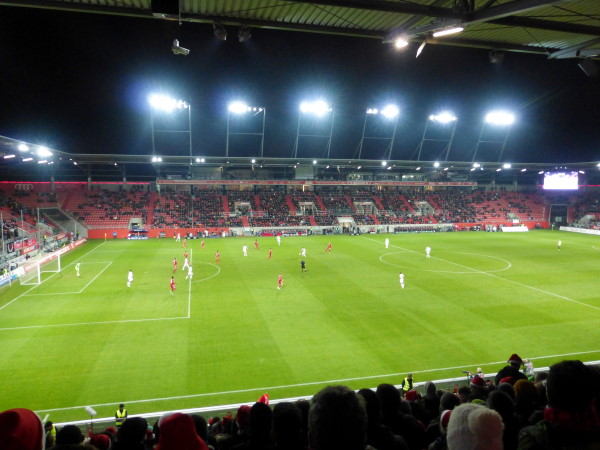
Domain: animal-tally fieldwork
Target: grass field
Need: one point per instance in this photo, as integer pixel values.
(230, 335)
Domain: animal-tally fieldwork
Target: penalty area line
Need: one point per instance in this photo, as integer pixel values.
(107, 322)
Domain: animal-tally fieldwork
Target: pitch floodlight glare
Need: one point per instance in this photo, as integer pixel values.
(164, 103)
(372, 111)
(418, 168)
(253, 161)
(156, 159)
(44, 152)
(443, 117)
(401, 42)
(436, 164)
(384, 163)
(448, 31)
(237, 107)
(476, 165)
(390, 111)
(506, 166)
(359, 167)
(23, 147)
(500, 118)
(318, 108)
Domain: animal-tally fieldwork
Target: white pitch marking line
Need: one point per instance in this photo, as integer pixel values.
(93, 323)
(76, 292)
(35, 286)
(266, 389)
(503, 279)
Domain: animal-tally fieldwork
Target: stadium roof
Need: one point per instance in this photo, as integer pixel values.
(555, 28)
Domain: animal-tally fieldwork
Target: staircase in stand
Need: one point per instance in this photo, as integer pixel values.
(290, 203)
(377, 201)
(349, 200)
(257, 201)
(320, 203)
(245, 222)
(372, 216)
(226, 205)
(150, 215)
(408, 205)
(65, 204)
(313, 222)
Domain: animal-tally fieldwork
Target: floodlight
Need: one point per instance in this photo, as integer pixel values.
(472, 169)
(253, 161)
(476, 165)
(390, 111)
(9, 156)
(389, 168)
(541, 172)
(372, 111)
(202, 160)
(165, 103)
(384, 163)
(156, 159)
(23, 147)
(314, 161)
(443, 117)
(436, 164)
(44, 152)
(401, 42)
(506, 166)
(448, 31)
(359, 167)
(498, 169)
(244, 34)
(582, 171)
(74, 163)
(318, 108)
(237, 107)
(523, 170)
(27, 159)
(42, 161)
(220, 31)
(418, 168)
(500, 118)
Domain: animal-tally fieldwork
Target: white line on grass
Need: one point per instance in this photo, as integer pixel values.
(212, 276)
(77, 292)
(271, 388)
(93, 323)
(35, 286)
(500, 278)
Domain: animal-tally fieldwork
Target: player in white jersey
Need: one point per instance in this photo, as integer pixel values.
(402, 280)
(387, 243)
(245, 250)
(559, 244)
(129, 278)
(278, 241)
(178, 239)
(77, 268)
(186, 262)
(190, 273)
(303, 252)
(428, 252)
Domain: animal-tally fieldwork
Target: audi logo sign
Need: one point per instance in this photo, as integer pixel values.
(23, 187)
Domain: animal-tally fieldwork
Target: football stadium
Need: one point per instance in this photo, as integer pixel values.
(409, 285)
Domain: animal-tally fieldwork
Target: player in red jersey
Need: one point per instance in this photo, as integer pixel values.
(270, 253)
(256, 244)
(280, 281)
(202, 244)
(328, 249)
(172, 285)
(217, 257)
(184, 245)
(174, 265)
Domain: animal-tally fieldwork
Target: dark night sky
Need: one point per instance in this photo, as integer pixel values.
(78, 83)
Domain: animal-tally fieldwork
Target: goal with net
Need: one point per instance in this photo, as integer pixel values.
(35, 271)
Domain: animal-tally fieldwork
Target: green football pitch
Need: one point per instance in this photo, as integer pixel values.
(230, 335)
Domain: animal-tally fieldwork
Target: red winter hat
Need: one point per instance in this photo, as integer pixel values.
(514, 358)
(444, 419)
(412, 396)
(478, 381)
(21, 429)
(100, 441)
(243, 416)
(509, 380)
(264, 398)
(177, 432)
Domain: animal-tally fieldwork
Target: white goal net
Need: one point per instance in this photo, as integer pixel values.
(36, 271)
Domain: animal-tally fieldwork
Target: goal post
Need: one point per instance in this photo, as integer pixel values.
(34, 271)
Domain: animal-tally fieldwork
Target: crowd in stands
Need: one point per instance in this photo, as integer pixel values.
(518, 410)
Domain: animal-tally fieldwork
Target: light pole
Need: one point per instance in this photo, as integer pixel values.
(318, 109)
(389, 113)
(238, 108)
(445, 119)
(500, 120)
(169, 105)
